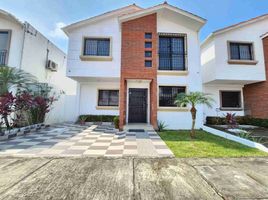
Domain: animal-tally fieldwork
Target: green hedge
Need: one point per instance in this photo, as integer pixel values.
(245, 120)
(97, 118)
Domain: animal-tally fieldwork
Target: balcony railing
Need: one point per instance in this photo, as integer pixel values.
(3, 57)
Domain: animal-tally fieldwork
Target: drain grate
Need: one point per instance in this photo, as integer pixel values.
(136, 130)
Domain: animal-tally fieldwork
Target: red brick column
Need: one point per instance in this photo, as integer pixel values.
(256, 95)
(133, 59)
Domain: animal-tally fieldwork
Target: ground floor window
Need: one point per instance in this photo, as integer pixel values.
(168, 94)
(108, 98)
(230, 99)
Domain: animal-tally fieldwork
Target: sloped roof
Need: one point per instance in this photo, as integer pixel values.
(128, 9)
(135, 12)
(264, 35)
(156, 8)
(10, 17)
(235, 26)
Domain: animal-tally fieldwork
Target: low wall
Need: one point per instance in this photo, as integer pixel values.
(235, 138)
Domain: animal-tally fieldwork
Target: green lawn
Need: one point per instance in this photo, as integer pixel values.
(205, 145)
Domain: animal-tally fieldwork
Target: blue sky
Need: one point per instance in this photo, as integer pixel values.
(48, 15)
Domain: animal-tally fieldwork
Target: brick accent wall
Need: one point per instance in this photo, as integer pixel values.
(256, 95)
(133, 61)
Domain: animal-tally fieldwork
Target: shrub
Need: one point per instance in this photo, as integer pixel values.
(116, 122)
(245, 120)
(230, 120)
(161, 126)
(97, 118)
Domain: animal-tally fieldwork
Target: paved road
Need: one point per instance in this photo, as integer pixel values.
(128, 178)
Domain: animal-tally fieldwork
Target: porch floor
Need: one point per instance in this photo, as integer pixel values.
(146, 127)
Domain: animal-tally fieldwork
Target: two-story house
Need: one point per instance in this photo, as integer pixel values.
(24, 47)
(234, 67)
(133, 62)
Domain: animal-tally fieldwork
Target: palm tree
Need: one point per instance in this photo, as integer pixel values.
(193, 99)
(11, 77)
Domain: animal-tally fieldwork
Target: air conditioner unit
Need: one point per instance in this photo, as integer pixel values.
(52, 66)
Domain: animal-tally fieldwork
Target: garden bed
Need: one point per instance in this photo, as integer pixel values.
(249, 132)
(14, 132)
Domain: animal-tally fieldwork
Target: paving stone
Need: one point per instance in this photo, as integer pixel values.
(67, 137)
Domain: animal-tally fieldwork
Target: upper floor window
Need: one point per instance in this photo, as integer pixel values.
(241, 51)
(172, 52)
(96, 47)
(230, 100)
(108, 98)
(4, 46)
(168, 94)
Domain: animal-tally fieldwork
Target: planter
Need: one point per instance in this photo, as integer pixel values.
(240, 140)
(20, 131)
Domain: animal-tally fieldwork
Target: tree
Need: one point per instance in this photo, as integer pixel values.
(193, 99)
(11, 77)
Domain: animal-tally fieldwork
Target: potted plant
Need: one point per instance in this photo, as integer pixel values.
(82, 120)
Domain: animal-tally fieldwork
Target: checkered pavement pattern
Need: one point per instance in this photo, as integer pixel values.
(74, 140)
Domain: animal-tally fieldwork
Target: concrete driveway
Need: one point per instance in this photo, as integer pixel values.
(95, 141)
(133, 178)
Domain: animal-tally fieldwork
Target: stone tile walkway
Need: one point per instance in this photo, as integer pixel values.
(74, 140)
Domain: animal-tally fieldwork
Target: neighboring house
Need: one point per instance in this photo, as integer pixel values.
(132, 62)
(234, 67)
(23, 47)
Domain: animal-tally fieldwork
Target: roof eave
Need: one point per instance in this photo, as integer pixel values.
(11, 17)
(67, 28)
(157, 8)
(207, 39)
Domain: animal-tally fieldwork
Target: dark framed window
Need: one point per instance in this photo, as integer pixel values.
(4, 46)
(148, 54)
(230, 99)
(96, 47)
(148, 35)
(172, 53)
(168, 94)
(148, 45)
(108, 98)
(241, 51)
(148, 63)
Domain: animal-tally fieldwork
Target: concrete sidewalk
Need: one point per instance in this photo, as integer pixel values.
(133, 178)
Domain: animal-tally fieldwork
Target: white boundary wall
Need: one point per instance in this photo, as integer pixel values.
(235, 138)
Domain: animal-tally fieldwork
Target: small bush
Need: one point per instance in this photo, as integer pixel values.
(97, 118)
(161, 126)
(244, 120)
(116, 122)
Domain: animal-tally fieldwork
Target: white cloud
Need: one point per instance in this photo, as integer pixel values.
(57, 32)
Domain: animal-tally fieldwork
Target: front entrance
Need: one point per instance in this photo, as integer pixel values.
(137, 105)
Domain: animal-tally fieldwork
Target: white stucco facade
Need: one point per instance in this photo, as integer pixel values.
(93, 75)
(29, 50)
(219, 74)
(192, 80)
(88, 101)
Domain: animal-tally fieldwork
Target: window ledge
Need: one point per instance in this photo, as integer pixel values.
(172, 73)
(96, 58)
(231, 109)
(173, 109)
(107, 107)
(243, 62)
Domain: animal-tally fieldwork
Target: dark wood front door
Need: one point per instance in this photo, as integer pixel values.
(137, 111)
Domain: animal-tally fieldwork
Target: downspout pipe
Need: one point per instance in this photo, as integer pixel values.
(23, 42)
